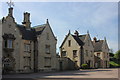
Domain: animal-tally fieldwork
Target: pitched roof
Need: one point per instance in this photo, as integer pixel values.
(78, 40)
(30, 34)
(82, 37)
(27, 34)
(64, 39)
(39, 29)
(98, 45)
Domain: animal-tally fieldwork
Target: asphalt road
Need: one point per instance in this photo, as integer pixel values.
(92, 74)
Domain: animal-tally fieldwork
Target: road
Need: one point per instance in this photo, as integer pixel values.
(110, 74)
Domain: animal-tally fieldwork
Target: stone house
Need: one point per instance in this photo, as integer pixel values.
(26, 48)
(78, 48)
(101, 53)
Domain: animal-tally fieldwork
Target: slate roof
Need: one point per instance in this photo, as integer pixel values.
(82, 37)
(30, 34)
(98, 45)
(78, 40)
(39, 29)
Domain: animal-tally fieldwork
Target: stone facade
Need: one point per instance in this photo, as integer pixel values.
(80, 49)
(0, 49)
(28, 49)
(101, 52)
(25, 48)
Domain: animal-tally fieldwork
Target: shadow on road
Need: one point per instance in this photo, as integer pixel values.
(93, 70)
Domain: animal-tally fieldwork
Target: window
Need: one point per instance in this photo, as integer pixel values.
(69, 43)
(91, 54)
(47, 62)
(47, 49)
(47, 36)
(88, 42)
(27, 47)
(86, 52)
(63, 53)
(8, 43)
(74, 53)
(27, 62)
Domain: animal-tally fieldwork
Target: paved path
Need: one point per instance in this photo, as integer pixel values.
(93, 73)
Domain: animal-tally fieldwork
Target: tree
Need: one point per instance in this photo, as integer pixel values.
(111, 54)
(117, 55)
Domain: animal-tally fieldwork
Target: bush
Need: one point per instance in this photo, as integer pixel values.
(84, 66)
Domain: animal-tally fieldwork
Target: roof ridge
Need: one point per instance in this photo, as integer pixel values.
(78, 40)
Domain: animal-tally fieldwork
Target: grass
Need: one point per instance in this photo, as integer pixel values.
(113, 64)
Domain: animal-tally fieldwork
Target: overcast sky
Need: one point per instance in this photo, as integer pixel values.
(100, 18)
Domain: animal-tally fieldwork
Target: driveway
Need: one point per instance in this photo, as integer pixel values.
(110, 74)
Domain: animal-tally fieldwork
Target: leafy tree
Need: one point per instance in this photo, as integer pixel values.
(117, 55)
(111, 54)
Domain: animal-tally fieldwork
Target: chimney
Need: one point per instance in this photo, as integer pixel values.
(76, 33)
(26, 22)
(94, 39)
(10, 11)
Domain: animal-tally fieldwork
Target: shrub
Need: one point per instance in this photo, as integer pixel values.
(84, 66)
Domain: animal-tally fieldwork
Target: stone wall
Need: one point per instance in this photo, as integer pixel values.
(0, 50)
(69, 50)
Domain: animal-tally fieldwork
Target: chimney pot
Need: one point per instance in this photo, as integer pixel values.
(10, 11)
(26, 22)
(76, 33)
(95, 39)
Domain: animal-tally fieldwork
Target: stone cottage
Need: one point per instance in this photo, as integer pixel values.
(101, 53)
(78, 48)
